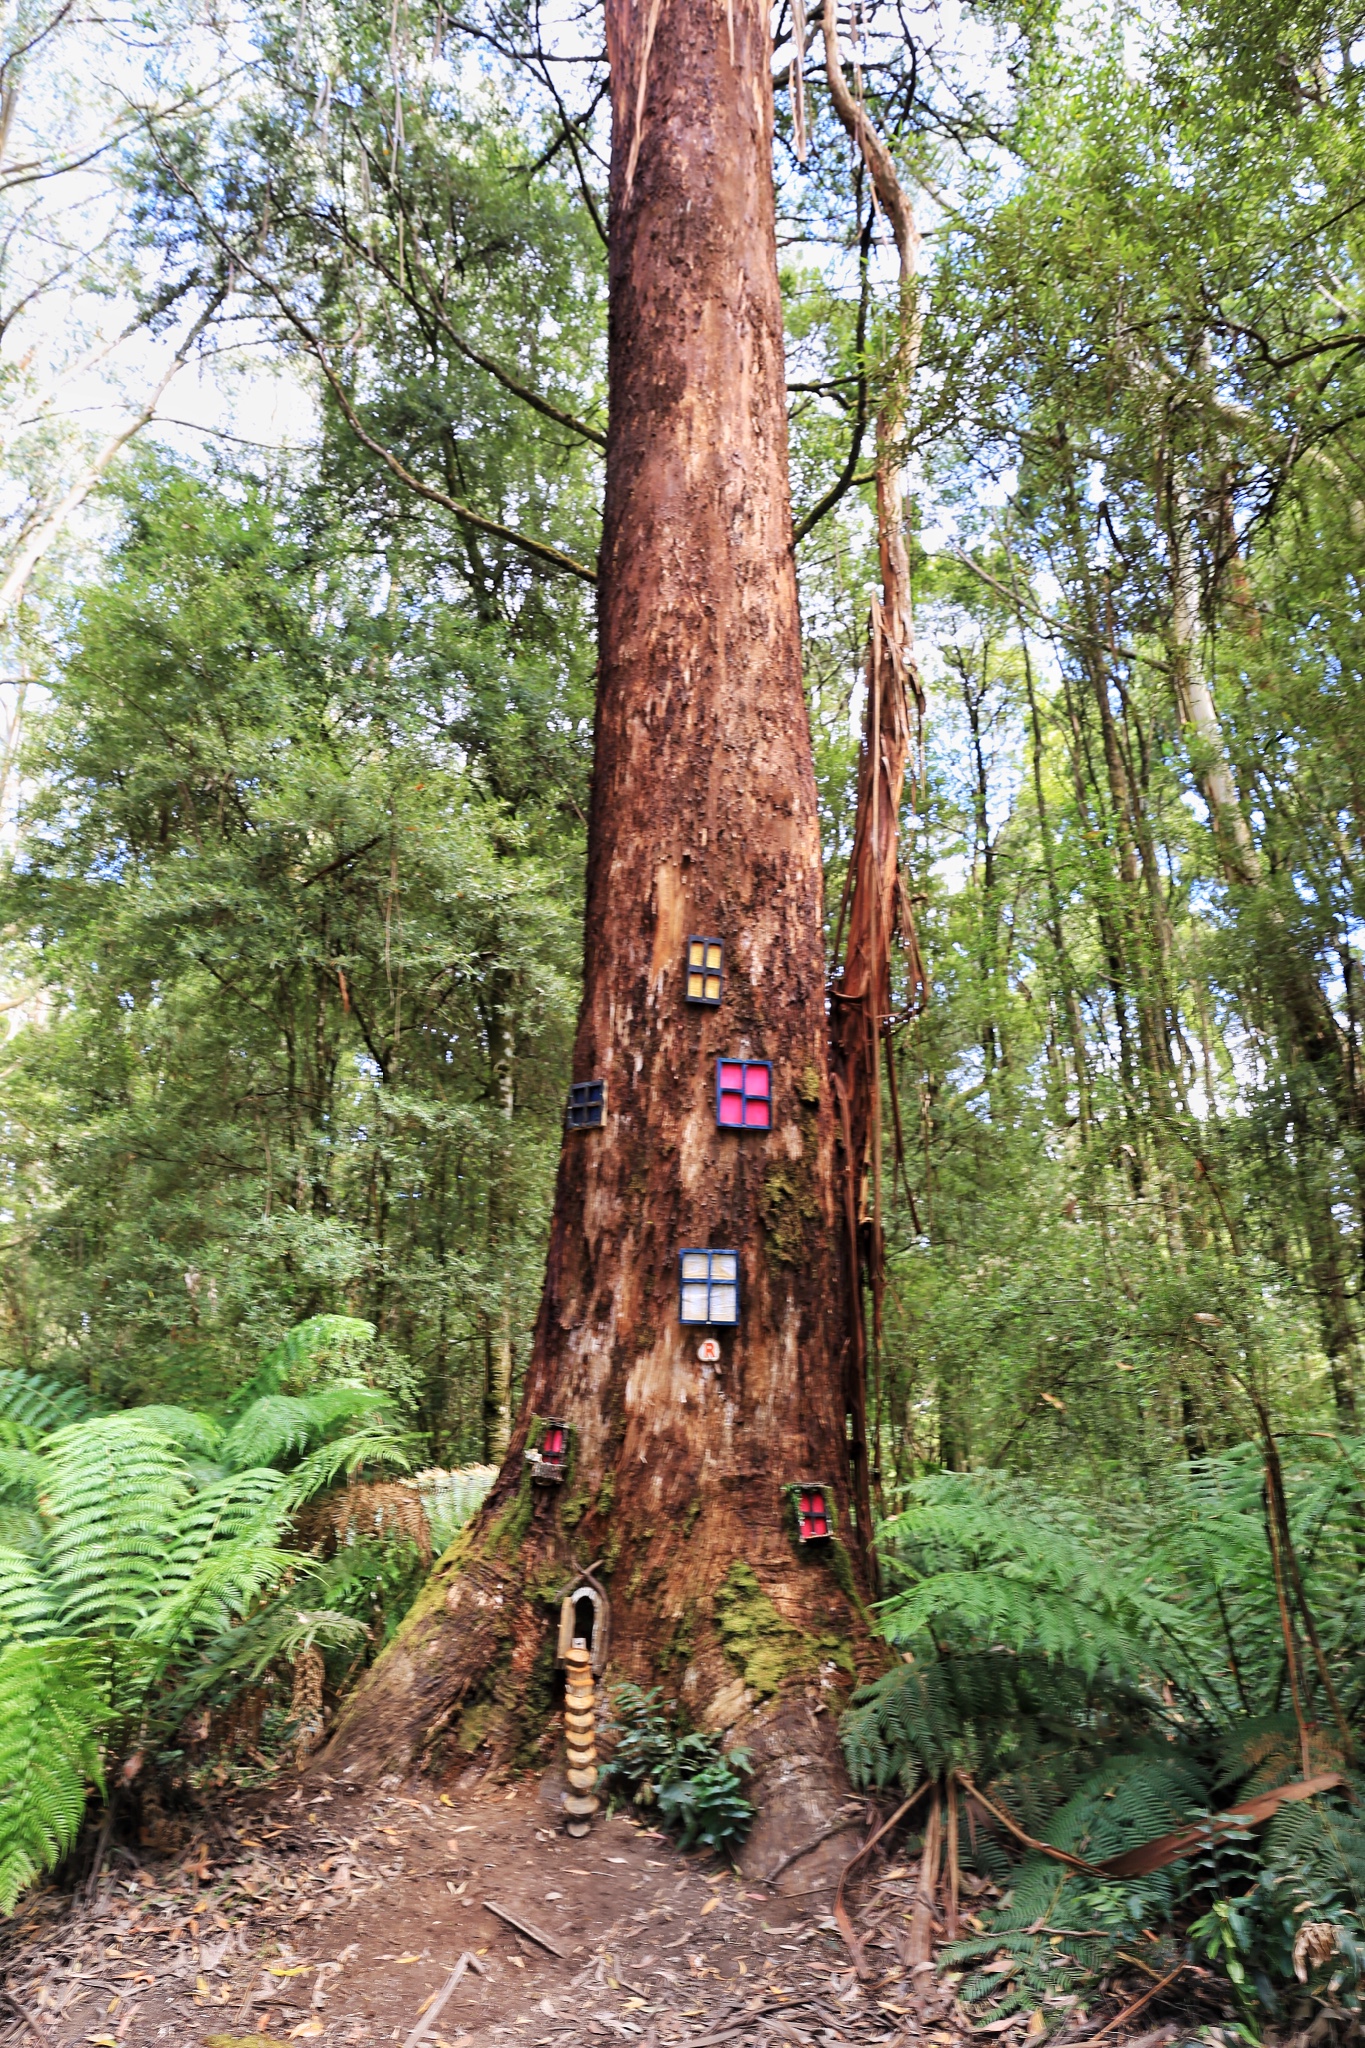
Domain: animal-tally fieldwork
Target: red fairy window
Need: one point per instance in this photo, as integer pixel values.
(812, 1514)
(744, 1095)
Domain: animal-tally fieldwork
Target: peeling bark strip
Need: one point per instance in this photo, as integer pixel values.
(703, 821)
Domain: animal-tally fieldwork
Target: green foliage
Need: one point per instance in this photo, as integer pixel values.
(267, 1079)
(53, 1708)
(1119, 1724)
(1016, 1720)
(709, 1808)
(696, 1787)
(319, 1345)
(155, 1574)
(994, 1559)
(35, 1402)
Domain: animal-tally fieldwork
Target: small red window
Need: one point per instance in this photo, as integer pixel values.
(812, 1514)
(744, 1095)
(552, 1443)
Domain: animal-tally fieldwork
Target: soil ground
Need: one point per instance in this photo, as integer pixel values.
(322, 1913)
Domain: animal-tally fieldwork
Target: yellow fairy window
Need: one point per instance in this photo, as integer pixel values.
(705, 972)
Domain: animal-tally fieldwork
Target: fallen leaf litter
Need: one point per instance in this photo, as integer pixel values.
(334, 1921)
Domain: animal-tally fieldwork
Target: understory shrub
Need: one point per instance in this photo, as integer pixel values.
(1090, 1681)
(692, 1785)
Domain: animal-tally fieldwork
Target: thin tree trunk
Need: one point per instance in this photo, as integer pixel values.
(875, 900)
(1304, 1025)
(703, 821)
(497, 1384)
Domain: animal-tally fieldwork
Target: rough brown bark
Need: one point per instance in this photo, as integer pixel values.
(497, 1332)
(703, 821)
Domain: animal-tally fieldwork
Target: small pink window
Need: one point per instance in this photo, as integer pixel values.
(744, 1095)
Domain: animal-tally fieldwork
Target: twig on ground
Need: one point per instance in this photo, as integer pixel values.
(28, 2021)
(437, 2006)
(844, 1924)
(526, 1927)
(1130, 2011)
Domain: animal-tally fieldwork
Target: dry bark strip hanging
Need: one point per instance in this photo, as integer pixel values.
(876, 906)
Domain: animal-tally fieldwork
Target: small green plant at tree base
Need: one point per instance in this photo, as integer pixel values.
(694, 1785)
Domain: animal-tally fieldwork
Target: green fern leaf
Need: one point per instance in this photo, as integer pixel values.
(41, 1404)
(113, 1498)
(306, 1353)
(28, 1608)
(52, 1711)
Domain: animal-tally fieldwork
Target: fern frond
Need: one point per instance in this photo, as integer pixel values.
(328, 1604)
(21, 1475)
(1323, 1841)
(114, 1493)
(450, 1498)
(275, 1426)
(1034, 1573)
(1131, 1800)
(228, 1579)
(280, 1426)
(305, 1352)
(192, 1430)
(28, 1608)
(52, 1712)
(41, 1404)
(375, 1444)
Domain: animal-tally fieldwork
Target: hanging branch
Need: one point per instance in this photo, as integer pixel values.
(876, 902)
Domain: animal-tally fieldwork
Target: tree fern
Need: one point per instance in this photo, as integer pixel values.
(192, 1430)
(146, 1536)
(989, 1558)
(52, 1711)
(375, 1442)
(221, 1554)
(280, 1426)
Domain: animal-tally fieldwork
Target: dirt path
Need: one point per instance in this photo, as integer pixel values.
(329, 1915)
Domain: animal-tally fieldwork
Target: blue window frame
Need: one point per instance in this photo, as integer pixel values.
(708, 1287)
(705, 971)
(587, 1105)
(744, 1095)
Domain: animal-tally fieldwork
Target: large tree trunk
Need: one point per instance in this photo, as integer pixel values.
(703, 822)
